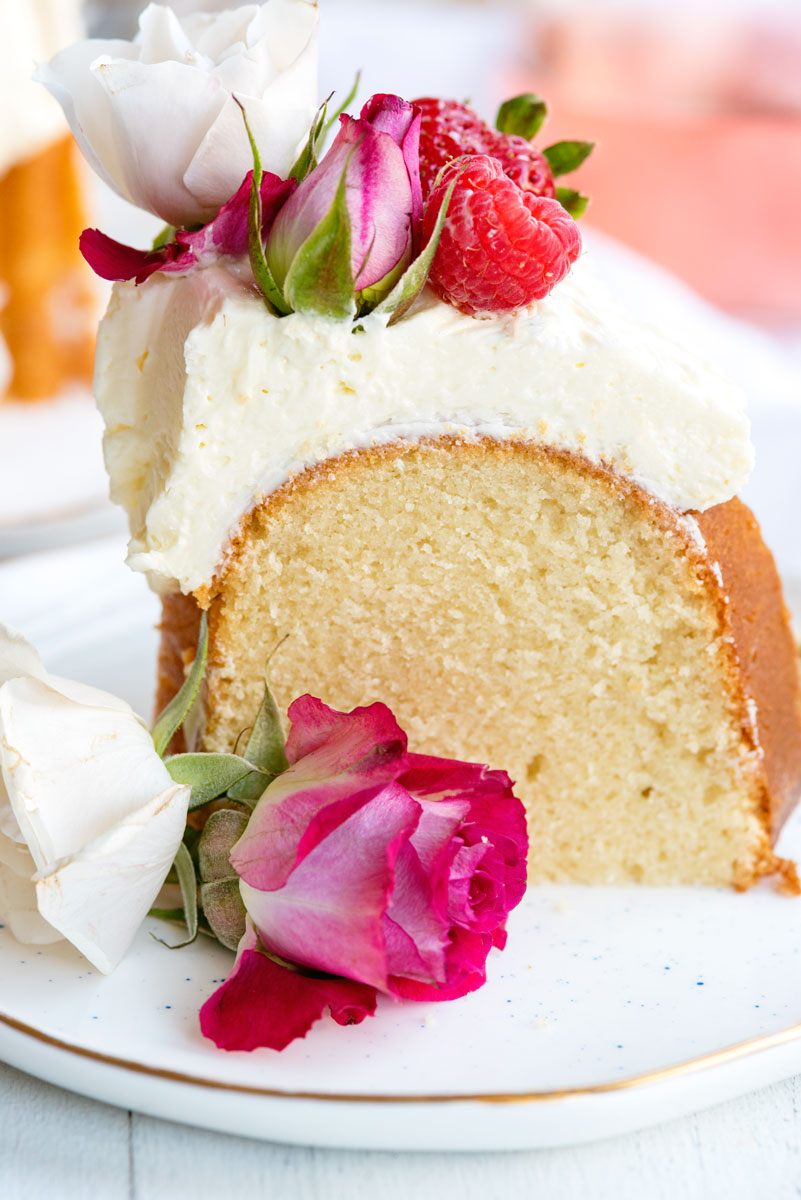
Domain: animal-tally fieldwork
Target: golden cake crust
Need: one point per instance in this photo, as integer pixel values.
(754, 611)
(735, 569)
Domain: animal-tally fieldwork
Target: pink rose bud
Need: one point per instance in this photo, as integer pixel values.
(386, 871)
(378, 156)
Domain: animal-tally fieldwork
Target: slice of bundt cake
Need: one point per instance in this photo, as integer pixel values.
(519, 532)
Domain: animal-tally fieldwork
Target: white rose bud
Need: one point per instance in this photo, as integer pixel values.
(157, 118)
(90, 820)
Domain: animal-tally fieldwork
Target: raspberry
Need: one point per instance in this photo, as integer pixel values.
(450, 129)
(501, 248)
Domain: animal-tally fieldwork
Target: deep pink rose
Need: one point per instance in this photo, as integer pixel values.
(379, 155)
(384, 870)
(224, 237)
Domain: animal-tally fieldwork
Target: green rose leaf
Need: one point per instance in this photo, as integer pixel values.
(565, 157)
(175, 713)
(574, 202)
(208, 775)
(522, 115)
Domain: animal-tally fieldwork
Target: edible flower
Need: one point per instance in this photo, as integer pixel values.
(224, 237)
(367, 191)
(90, 819)
(159, 117)
(363, 869)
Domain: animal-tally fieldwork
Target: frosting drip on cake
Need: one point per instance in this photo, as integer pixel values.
(210, 402)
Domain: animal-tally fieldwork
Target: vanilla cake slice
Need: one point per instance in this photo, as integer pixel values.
(520, 532)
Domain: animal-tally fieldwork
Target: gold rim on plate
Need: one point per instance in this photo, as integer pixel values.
(739, 1050)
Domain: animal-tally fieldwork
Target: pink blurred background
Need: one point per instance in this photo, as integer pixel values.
(697, 114)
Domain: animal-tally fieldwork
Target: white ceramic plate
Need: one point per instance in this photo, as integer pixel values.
(610, 1008)
(53, 485)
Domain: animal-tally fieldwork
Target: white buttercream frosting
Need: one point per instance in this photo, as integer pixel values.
(210, 402)
(32, 30)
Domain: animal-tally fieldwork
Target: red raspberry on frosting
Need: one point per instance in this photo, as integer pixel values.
(449, 129)
(501, 248)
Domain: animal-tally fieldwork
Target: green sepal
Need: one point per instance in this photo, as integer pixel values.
(250, 789)
(187, 881)
(175, 713)
(208, 775)
(351, 96)
(220, 834)
(320, 278)
(565, 157)
(413, 280)
(522, 115)
(224, 910)
(572, 201)
(368, 298)
(306, 161)
(222, 903)
(266, 748)
(258, 260)
(164, 237)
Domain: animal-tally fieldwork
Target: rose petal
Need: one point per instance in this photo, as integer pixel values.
(70, 80)
(141, 96)
(18, 658)
(18, 907)
(225, 236)
(71, 770)
(314, 726)
(339, 760)
(466, 970)
(113, 260)
(495, 815)
(329, 913)
(402, 122)
(265, 1004)
(156, 117)
(413, 913)
(98, 898)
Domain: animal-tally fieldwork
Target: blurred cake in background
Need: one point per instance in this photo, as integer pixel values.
(48, 299)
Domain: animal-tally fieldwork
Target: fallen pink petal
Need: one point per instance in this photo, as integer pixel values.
(265, 1004)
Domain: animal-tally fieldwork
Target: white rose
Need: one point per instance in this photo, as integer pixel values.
(157, 119)
(90, 820)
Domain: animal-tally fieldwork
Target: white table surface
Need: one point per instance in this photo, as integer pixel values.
(57, 1146)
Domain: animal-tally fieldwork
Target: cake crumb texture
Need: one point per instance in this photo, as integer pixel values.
(516, 606)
